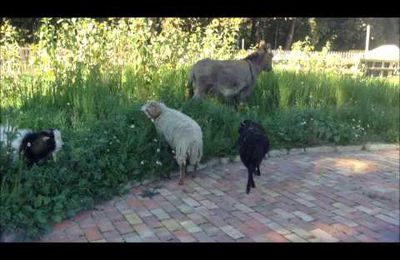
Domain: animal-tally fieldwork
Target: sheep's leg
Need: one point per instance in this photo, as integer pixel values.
(253, 185)
(248, 184)
(258, 173)
(182, 173)
(250, 180)
(194, 171)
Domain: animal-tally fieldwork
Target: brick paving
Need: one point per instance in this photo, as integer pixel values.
(313, 197)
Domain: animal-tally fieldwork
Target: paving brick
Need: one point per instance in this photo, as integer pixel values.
(92, 234)
(278, 228)
(232, 232)
(160, 214)
(305, 217)
(75, 230)
(243, 208)
(208, 204)
(190, 226)
(282, 213)
(388, 219)
(202, 237)
(302, 233)
(171, 225)
(345, 221)
(305, 202)
(143, 230)
(294, 238)
(184, 236)
(104, 224)
(133, 219)
(185, 209)
(98, 241)
(131, 237)
(123, 227)
(260, 238)
(113, 236)
(323, 236)
(191, 202)
(275, 237)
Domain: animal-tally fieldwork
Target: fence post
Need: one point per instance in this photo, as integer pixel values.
(367, 39)
(243, 44)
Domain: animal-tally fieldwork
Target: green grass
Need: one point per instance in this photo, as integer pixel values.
(109, 142)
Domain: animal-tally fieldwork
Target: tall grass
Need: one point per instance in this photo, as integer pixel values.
(110, 142)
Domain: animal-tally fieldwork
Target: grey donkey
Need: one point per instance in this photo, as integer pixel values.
(233, 80)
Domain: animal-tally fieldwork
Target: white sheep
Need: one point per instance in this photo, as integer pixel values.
(182, 133)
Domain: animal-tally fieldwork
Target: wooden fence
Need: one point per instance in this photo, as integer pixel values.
(348, 59)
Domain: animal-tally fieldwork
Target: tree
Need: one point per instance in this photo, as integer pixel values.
(289, 38)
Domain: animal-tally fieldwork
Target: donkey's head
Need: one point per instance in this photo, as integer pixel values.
(262, 58)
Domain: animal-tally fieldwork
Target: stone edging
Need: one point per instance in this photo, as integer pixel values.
(287, 152)
(317, 149)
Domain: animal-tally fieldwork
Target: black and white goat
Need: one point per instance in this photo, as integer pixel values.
(33, 146)
(253, 146)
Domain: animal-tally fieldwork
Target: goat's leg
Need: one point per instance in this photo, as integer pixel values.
(257, 172)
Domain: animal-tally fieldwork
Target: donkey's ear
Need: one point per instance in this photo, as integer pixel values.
(261, 45)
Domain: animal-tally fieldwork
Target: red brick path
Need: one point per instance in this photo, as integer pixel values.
(329, 197)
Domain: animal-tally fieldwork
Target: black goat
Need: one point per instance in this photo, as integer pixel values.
(36, 146)
(253, 146)
(31, 146)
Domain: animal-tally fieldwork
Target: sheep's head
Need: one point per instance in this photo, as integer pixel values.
(152, 109)
(244, 125)
(56, 135)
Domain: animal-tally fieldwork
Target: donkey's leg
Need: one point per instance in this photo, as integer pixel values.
(201, 89)
(245, 94)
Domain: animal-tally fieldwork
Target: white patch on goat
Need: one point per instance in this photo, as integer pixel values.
(16, 143)
(58, 141)
(5, 131)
